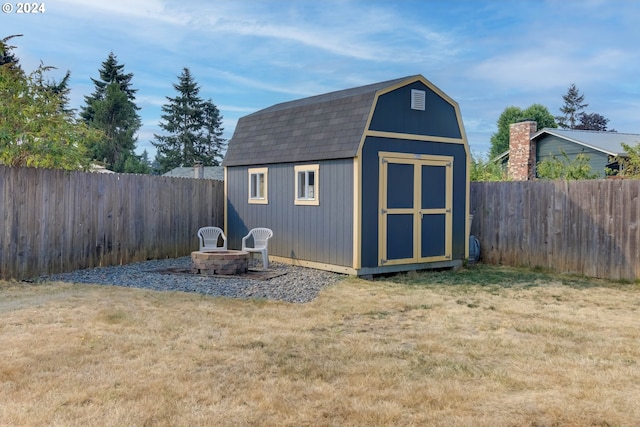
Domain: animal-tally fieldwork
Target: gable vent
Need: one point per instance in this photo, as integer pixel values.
(418, 98)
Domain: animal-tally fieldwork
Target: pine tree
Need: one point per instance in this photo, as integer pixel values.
(214, 143)
(193, 128)
(6, 56)
(115, 115)
(572, 108)
(111, 72)
(111, 108)
(61, 90)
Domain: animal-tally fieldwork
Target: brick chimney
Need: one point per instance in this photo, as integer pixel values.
(522, 151)
(198, 170)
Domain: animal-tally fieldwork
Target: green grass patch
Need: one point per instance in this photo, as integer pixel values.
(494, 277)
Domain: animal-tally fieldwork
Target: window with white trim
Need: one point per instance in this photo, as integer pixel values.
(306, 185)
(258, 186)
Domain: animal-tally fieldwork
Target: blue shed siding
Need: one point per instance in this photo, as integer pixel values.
(393, 113)
(370, 171)
(551, 145)
(322, 234)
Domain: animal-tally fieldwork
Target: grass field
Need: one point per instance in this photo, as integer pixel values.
(480, 346)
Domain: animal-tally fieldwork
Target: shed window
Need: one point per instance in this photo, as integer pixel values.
(418, 99)
(258, 185)
(306, 185)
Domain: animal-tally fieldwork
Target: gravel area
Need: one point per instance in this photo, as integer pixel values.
(297, 284)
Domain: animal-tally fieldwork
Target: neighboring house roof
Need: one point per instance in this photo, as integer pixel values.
(210, 172)
(501, 157)
(94, 167)
(328, 126)
(607, 142)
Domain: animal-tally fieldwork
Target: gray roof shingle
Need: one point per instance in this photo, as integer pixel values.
(210, 172)
(321, 127)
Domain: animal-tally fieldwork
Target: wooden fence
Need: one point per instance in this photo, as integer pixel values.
(56, 221)
(588, 228)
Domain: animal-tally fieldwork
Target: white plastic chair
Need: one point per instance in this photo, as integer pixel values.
(261, 238)
(208, 237)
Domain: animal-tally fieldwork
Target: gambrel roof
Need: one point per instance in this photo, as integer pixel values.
(606, 142)
(328, 126)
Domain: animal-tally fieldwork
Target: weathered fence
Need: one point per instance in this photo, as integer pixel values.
(589, 228)
(56, 221)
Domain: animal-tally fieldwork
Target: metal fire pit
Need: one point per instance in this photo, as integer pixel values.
(226, 262)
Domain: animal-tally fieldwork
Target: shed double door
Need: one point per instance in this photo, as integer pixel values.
(415, 219)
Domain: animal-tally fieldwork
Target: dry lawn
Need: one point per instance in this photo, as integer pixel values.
(362, 354)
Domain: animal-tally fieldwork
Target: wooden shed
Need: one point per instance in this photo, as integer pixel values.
(362, 181)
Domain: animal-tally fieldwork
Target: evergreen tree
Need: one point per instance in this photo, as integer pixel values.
(111, 108)
(62, 90)
(115, 115)
(156, 165)
(575, 118)
(111, 72)
(193, 128)
(536, 112)
(137, 164)
(6, 54)
(573, 106)
(212, 150)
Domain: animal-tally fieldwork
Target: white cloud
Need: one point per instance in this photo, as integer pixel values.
(148, 9)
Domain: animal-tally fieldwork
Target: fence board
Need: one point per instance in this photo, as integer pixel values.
(589, 228)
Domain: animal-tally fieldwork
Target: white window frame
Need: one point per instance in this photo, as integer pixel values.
(307, 199)
(260, 199)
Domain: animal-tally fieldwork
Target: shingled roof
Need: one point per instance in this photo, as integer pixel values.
(210, 172)
(607, 142)
(328, 126)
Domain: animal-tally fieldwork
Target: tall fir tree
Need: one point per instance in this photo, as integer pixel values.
(6, 55)
(572, 108)
(60, 89)
(574, 116)
(111, 72)
(112, 109)
(63, 90)
(193, 128)
(215, 144)
(115, 115)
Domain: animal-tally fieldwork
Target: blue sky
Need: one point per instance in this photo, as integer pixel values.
(249, 54)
